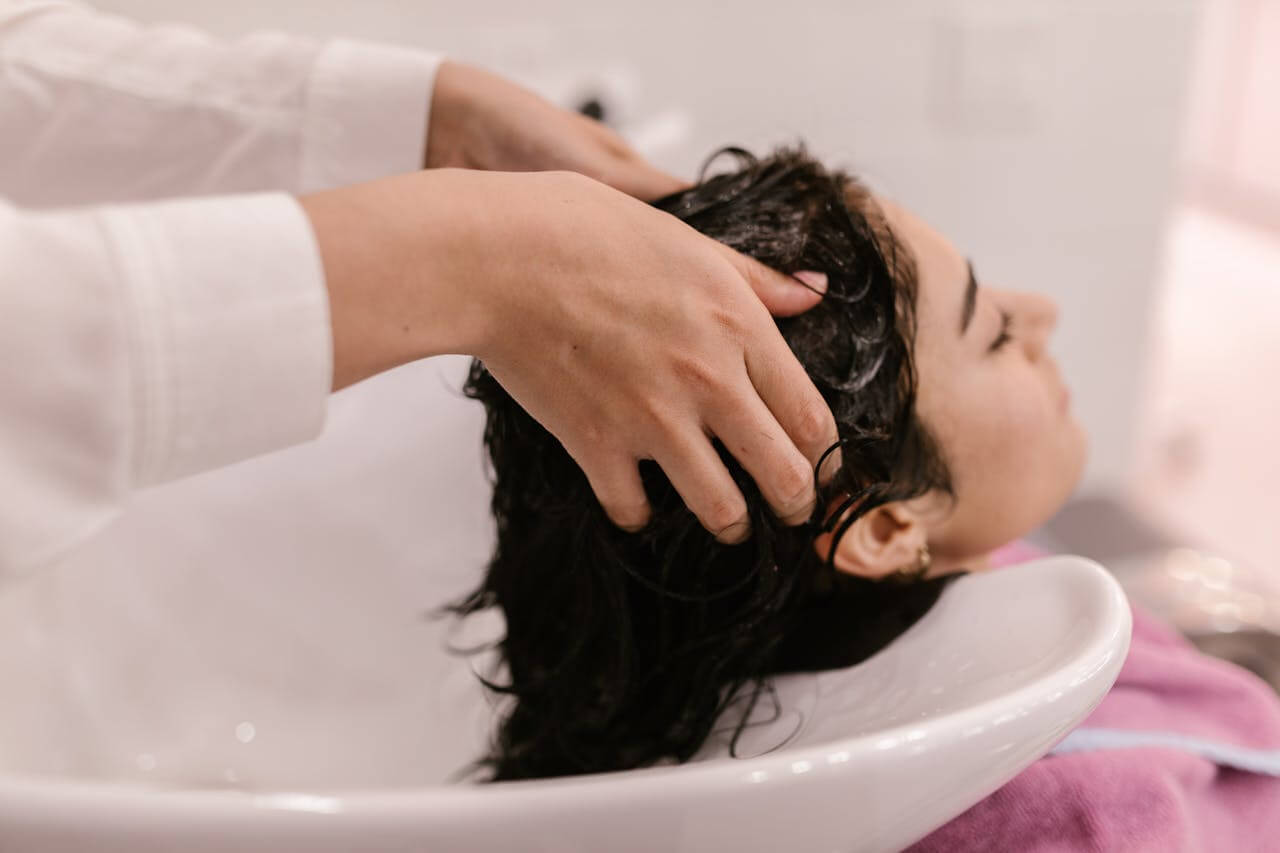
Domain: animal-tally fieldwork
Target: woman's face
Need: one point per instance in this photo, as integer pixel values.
(993, 398)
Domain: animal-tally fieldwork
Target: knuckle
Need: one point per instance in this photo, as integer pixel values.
(794, 483)
(813, 422)
(664, 420)
(594, 445)
(593, 434)
(699, 376)
(727, 321)
(628, 514)
(723, 512)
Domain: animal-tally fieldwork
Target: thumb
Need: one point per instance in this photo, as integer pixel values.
(784, 295)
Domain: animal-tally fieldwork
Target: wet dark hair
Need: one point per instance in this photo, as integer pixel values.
(622, 649)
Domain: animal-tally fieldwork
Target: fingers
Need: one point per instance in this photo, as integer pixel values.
(777, 375)
(799, 410)
(695, 469)
(783, 295)
(772, 420)
(634, 176)
(623, 168)
(648, 183)
(784, 475)
(618, 487)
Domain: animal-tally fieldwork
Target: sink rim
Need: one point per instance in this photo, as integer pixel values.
(1096, 661)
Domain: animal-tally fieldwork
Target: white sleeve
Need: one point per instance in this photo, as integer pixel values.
(142, 342)
(96, 108)
(139, 343)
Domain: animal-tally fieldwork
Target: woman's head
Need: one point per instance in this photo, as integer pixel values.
(991, 396)
(622, 648)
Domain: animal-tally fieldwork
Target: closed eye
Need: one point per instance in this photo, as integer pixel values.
(1006, 332)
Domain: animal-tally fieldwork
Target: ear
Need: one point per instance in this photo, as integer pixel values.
(882, 541)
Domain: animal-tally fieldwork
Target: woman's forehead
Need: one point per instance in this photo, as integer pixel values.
(942, 273)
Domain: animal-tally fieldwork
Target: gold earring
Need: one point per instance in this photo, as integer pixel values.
(916, 573)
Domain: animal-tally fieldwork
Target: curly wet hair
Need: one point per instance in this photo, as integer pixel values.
(623, 649)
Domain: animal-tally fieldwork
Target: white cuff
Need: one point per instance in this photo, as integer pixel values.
(366, 113)
(229, 336)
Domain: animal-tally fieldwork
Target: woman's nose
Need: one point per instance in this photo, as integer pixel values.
(1040, 314)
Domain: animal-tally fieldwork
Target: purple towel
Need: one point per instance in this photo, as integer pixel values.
(1183, 754)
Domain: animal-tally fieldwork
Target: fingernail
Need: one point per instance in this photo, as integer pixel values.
(812, 278)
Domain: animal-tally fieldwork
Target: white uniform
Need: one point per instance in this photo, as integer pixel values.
(150, 338)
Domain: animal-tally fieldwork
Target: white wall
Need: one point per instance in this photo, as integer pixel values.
(1040, 136)
(1232, 156)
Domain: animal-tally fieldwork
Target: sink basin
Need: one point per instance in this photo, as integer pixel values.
(246, 661)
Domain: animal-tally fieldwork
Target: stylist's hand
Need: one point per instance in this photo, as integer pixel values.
(625, 332)
(482, 121)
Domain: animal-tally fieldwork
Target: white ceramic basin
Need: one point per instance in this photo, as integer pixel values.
(243, 663)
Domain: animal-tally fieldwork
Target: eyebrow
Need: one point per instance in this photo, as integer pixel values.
(970, 300)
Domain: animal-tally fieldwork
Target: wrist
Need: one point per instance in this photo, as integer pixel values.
(399, 256)
(445, 146)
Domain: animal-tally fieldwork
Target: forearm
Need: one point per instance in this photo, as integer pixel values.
(96, 108)
(398, 255)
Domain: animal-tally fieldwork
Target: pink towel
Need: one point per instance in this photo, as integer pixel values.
(1183, 754)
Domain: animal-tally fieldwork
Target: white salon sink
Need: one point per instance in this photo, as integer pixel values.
(243, 662)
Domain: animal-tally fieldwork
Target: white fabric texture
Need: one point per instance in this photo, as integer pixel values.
(144, 341)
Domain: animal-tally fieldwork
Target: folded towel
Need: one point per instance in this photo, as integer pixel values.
(1183, 754)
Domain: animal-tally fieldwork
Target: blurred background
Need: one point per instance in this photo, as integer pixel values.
(1122, 157)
